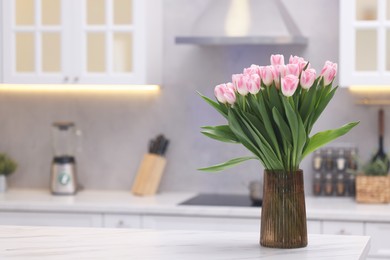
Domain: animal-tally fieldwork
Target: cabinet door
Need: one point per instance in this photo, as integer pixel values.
(201, 223)
(343, 228)
(1, 45)
(121, 221)
(110, 41)
(50, 219)
(380, 242)
(364, 42)
(82, 41)
(314, 227)
(36, 36)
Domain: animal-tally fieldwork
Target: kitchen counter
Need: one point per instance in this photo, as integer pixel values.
(78, 243)
(87, 201)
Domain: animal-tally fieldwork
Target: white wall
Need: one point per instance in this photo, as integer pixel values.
(117, 127)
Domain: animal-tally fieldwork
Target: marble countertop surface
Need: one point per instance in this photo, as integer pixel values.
(166, 203)
(93, 243)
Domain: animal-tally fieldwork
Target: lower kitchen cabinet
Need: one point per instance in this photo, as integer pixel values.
(343, 228)
(51, 219)
(214, 223)
(313, 227)
(201, 223)
(121, 221)
(380, 239)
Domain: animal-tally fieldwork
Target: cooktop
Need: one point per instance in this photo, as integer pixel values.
(224, 200)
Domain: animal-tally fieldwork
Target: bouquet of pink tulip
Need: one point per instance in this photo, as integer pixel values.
(271, 111)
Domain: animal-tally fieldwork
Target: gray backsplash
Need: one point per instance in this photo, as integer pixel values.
(117, 127)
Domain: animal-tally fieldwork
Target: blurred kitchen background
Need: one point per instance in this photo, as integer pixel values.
(117, 126)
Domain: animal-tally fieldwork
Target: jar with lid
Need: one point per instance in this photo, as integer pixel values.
(351, 185)
(328, 186)
(352, 159)
(329, 160)
(317, 160)
(317, 184)
(341, 161)
(340, 184)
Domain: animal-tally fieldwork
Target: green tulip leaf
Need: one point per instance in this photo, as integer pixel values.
(283, 126)
(221, 133)
(227, 165)
(322, 138)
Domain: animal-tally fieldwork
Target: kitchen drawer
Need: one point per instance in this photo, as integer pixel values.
(50, 219)
(380, 239)
(201, 223)
(314, 226)
(121, 221)
(343, 228)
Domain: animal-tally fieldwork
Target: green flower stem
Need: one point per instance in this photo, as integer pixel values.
(303, 95)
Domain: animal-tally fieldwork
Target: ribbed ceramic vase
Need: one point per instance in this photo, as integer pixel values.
(283, 213)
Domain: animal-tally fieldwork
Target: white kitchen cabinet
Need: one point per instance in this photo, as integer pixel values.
(343, 228)
(314, 227)
(364, 42)
(1, 46)
(201, 223)
(121, 221)
(380, 239)
(51, 219)
(82, 41)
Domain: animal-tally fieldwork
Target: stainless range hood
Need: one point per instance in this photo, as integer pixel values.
(244, 22)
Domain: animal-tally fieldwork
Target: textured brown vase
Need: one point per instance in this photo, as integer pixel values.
(283, 213)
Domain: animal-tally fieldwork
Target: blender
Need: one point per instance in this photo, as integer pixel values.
(63, 167)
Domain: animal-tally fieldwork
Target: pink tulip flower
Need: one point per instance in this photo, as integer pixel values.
(289, 84)
(230, 86)
(253, 69)
(237, 80)
(243, 90)
(219, 92)
(293, 69)
(229, 94)
(308, 77)
(267, 75)
(300, 61)
(277, 59)
(328, 72)
(282, 71)
(253, 84)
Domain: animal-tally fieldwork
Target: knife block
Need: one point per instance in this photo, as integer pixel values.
(149, 175)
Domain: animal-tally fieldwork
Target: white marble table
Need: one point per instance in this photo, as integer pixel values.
(94, 243)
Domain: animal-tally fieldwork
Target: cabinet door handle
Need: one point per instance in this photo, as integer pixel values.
(120, 224)
(76, 79)
(342, 232)
(66, 79)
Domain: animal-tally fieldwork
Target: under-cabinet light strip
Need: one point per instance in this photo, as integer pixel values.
(369, 89)
(78, 88)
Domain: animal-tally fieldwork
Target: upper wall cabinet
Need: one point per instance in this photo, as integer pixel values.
(82, 41)
(364, 42)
